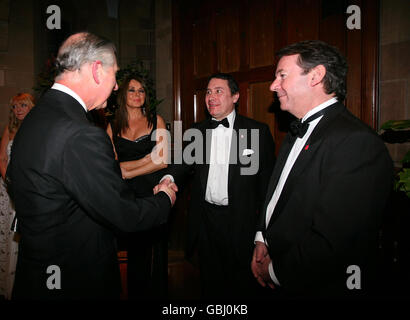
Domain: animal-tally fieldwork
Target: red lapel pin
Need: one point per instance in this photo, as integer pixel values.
(306, 147)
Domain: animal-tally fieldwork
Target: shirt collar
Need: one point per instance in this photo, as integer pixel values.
(321, 106)
(65, 89)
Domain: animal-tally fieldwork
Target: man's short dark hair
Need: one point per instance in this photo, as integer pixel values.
(232, 84)
(313, 53)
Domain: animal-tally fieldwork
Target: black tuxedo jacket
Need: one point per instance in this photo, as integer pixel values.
(246, 192)
(329, 212)
(70, 198)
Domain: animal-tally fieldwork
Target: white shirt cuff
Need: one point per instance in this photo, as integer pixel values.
(272, 275)
(172, 180)
(259, 237)
(167, 176)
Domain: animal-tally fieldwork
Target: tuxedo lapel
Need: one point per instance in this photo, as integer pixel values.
(305, 157)
(301, 163)
(204, 168)
(283, 154)
(331, 112)
(233, 154)
(239, 143)
(313, 143)
(316, 137)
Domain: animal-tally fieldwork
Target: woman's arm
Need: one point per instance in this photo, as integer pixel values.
(146, 165)
(3, 152)
(134, 164)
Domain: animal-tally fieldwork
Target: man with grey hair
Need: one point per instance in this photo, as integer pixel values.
(69, 195)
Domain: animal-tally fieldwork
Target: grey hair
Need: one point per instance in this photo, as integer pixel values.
(82, 48)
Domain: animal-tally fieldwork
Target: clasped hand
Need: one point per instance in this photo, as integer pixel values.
(169, 187)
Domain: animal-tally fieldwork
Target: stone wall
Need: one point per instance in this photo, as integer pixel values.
(394, 67)
(145, 33)
(137, 33)
(16, 52)
(163, 59)
(141, 29)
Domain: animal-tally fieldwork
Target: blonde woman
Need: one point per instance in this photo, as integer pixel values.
(20, 105)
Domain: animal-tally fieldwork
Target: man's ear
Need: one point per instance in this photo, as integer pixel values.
(96, 70)
(318, 73)
(235, 97)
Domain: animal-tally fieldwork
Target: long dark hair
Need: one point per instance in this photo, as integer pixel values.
(120, 122)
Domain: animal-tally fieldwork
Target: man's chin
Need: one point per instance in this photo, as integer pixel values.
(214, 115)
(101, 106)
(283, 106)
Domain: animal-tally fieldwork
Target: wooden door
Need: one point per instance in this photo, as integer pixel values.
(240, 37)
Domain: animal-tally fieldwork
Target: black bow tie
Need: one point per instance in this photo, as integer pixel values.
(215, 123)
(298, 128)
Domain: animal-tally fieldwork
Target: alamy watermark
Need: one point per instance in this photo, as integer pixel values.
(54, 20)
(243, 146)
(354, 20)
(354, 281)
(54, 280)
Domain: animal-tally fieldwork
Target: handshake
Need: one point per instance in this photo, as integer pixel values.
(169, 187)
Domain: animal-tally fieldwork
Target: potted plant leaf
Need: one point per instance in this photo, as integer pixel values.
(395, 240)
(398, 131)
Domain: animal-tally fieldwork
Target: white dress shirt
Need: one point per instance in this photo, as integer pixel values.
(217, 184)
(293, 155)
(63, 88)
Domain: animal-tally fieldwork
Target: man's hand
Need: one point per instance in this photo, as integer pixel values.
(260, 265)
(169, 187)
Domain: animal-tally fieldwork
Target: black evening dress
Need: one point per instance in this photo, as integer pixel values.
(147, 251)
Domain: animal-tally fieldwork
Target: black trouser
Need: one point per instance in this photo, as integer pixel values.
(147, 268)
(223, 273)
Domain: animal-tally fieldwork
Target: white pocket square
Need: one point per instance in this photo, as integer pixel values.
(247, 152)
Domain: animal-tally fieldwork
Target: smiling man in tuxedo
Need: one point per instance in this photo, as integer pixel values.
(227, 191)
(330, 184)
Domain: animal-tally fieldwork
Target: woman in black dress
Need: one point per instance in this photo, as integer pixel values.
(132, 135)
